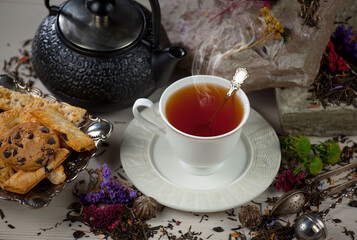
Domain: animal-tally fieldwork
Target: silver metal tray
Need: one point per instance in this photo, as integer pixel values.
(41, 195)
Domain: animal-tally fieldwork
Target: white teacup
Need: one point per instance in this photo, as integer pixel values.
(198, 155)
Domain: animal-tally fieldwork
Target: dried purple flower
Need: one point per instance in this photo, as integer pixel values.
(347, 39)
(95, 197)
(106, 174)
(108, 190)
(116, 192)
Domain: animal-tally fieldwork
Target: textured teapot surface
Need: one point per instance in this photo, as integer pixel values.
(88, 79)
(96, 83)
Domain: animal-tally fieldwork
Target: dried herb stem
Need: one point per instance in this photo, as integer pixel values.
(271, 29)
(230, 6)
(351, 90)
(80, 230)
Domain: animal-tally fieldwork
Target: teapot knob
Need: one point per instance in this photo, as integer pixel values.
(100, 7)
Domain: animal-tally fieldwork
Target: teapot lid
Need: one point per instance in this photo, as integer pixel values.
(100, 25)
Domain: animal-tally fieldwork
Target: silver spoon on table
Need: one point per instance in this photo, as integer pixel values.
(310, 226)
(294, 200)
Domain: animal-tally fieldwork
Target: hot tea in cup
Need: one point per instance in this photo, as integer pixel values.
(189, 103)
(193, 106)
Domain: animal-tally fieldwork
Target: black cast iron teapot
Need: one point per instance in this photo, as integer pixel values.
(103, 54)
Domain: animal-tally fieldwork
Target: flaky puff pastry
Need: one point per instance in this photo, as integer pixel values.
(15, 100)
(11, 118)
(57, 176)
(73, 136)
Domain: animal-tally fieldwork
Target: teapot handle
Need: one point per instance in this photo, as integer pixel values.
(52, 9)
(156, 21)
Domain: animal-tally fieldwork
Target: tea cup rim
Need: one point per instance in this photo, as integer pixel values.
(241, 94)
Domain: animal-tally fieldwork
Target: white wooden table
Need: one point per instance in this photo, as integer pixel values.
(19, 20)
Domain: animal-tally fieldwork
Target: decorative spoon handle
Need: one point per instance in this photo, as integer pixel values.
(339, 188)
(339, 200)
(331, 173)
(240, 75)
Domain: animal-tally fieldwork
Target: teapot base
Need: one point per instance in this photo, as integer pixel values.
(94, 107)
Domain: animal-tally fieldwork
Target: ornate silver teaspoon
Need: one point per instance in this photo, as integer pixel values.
(240, 75)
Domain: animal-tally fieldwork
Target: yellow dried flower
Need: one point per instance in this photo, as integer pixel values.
(278, 36)
(264, 11)
(270, 29)
(281, 30)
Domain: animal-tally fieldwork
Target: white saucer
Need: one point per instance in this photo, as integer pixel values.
(153, 168)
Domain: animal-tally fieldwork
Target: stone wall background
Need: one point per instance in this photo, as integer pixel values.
(295, 112)
(348, 12)
(295, 65)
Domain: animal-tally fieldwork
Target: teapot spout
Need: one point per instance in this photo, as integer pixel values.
(164, 62)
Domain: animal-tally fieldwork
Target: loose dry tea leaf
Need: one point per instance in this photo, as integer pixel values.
(336, 80)
(308, 9)
(122, 176)
(242, 236)
(336, 220)
(349, 233)
(78, 234)
(204, 217)
(20, 67)
(45, 229)
(11, 226)
(231, 213)
(189, 235)
(353, 203)
(2, 215)
(218, 229)
(275, 232)
(26, 42)
(210, 236)
(237, 228)
(271, 200)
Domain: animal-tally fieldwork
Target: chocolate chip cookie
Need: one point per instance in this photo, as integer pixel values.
(28, 146)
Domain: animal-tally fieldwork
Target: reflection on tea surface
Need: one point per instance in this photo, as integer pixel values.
(193, 105)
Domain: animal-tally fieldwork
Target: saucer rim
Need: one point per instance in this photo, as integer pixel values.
(255, 125)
